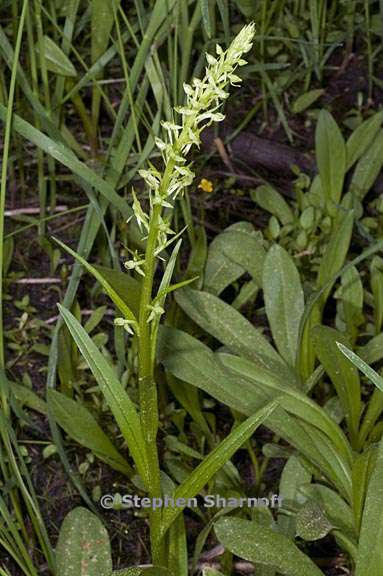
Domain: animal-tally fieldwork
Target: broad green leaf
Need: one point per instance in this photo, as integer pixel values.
(367, 168)
(335, 254)
(344, 376)
(246, 249)
(101, 26)
(114, 296)
(373, 350)
(29, 398)
(56, 60)
(211, 572)
(193, 362)
(338, 512)
(80, 425)
(127, 287)
(294, 474)
(263, 545)
(178, 551)
(272, 201)
(118, 400)
(206, 16)
(83, 547)
(362, 469)
(197, 257)
(293, 400)
(305, 100)
(331, 156)
(284, 302)
(220, 270)
(351, 297)
(229, 327)
(362, 137)
(370, 552)
(311, 522)
(246, 7)
(215, 460)
(95, 318)
(376, 281)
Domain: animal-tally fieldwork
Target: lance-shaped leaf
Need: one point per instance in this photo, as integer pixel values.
(344, 375)
(331, 156)
(214, 461)
(114, 296)
(283, 300)
(117, 398)
(80, 425)
(228, 326)
(370, 556)
(262, 545)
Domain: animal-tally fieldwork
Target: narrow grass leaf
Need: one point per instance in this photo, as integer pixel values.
(65, 156)
(361, 365)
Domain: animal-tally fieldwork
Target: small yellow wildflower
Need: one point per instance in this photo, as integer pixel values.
(206, 185)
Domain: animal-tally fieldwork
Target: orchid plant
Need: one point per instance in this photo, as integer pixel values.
(139, 428)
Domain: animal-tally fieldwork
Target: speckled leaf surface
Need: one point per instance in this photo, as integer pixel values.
(370, 558)
(331, 156)
(83, 547)
(262, 545)
(284, 301)
(312, 523)
(220, 270)
(229, 327)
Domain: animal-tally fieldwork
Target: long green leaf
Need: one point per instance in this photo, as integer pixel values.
(80, 425)
(262, 545)
(115, 297)
(215, 460)
(331, 156)
(283, 301)
(229, 327)
(344, 376)
(118, 400)
(370, 557)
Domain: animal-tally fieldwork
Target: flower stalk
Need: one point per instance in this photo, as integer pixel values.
(203, 101)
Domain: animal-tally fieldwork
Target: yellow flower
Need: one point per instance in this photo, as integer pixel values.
(206, 185)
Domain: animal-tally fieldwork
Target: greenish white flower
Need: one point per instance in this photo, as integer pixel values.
(136, 263)
(203, 100)
(156, 312)
(126, 324)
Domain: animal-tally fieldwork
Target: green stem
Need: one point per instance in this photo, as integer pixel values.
(146, 382)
